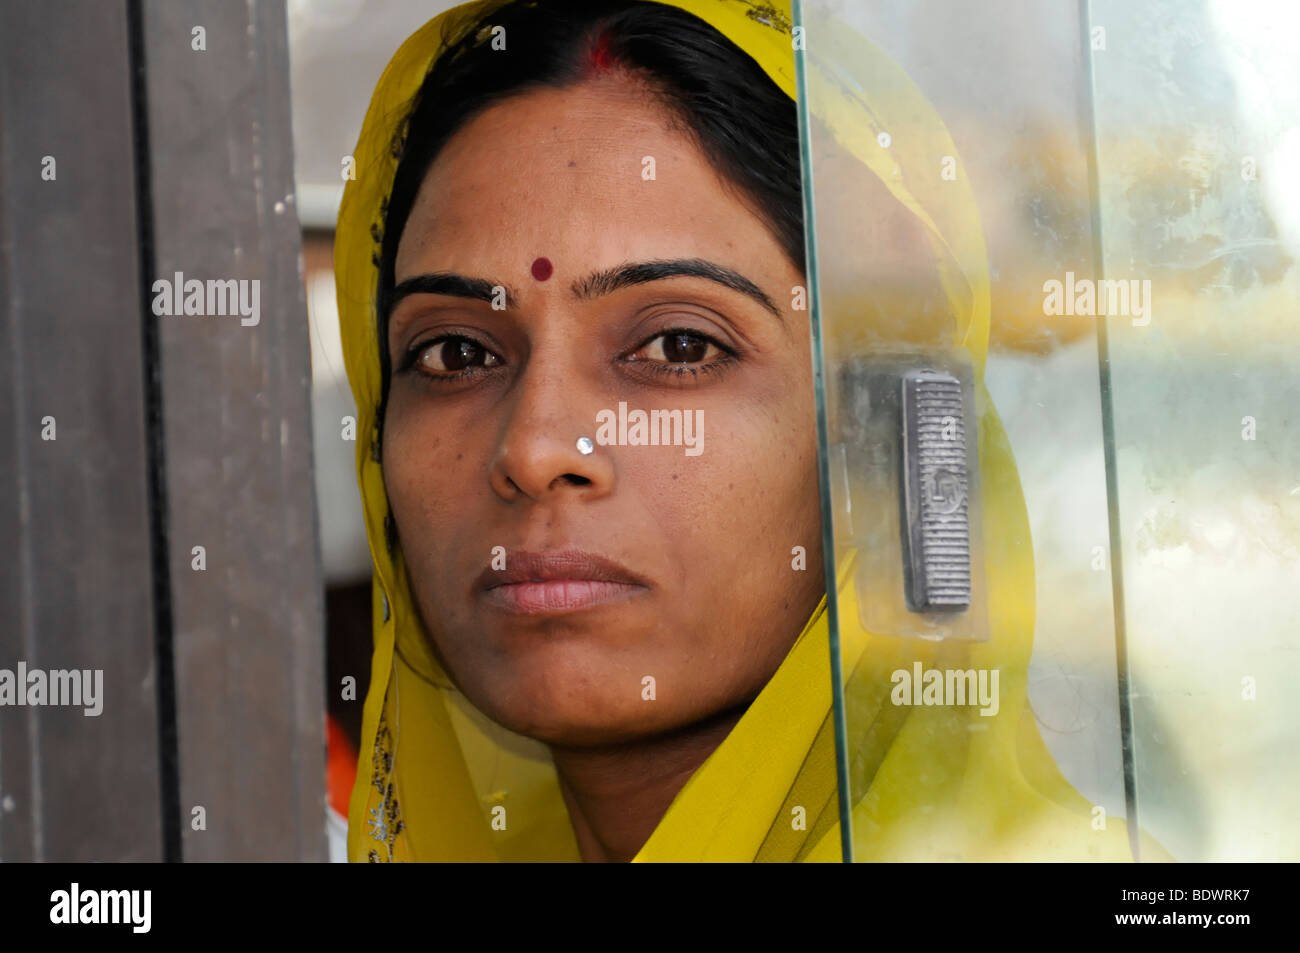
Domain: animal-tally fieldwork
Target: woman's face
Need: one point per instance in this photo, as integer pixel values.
(675, 563)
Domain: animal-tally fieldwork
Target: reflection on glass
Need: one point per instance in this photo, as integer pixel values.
(1107, 240)
(1197, 119)
(943, 194)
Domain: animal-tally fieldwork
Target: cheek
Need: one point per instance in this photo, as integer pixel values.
(409, 480)
(427, 476)
(735, 512)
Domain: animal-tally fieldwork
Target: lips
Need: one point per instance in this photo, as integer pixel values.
(557, 582)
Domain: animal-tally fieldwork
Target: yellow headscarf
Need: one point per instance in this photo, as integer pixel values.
(438, 781)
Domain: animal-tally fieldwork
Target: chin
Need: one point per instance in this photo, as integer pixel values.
(558, 706)
(565, 725)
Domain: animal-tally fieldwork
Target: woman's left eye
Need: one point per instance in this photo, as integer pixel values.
(678, 347)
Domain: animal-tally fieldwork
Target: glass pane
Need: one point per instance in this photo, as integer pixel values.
(947, 179)
(1197, 110)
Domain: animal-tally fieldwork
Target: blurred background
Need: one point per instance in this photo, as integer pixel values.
(1160, 461)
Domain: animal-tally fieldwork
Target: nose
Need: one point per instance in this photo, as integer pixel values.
(538, 457)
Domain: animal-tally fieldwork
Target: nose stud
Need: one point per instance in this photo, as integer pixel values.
(585, 446)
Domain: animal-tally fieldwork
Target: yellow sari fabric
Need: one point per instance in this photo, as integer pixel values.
(438, 781)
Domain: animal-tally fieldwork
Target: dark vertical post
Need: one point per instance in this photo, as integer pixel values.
(157, 518)
(75, 543)
(246, 596)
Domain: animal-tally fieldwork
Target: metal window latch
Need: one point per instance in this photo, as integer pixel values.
(936, 532)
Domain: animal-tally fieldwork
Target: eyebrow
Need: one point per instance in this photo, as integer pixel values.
(594, 285)
(455, 286)
(623, 276)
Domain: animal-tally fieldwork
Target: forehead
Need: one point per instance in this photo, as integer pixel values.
(595, 172)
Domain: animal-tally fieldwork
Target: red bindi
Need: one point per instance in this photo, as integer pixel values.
(542, 268)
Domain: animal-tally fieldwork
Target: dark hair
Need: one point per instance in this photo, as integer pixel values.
(738, 117)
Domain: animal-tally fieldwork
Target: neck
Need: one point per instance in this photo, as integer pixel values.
(617, 794)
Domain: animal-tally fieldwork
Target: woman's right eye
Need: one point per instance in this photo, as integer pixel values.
(451, 355)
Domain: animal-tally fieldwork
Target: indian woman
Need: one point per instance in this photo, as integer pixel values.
(572, 280)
